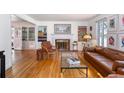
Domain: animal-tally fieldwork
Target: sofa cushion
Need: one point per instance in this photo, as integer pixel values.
(117, 64)
(114, 55)
(120, 70)
(98, 50)
(110, 54)
(119, 56)
(102, 60)
(102, 64)
(105, 52)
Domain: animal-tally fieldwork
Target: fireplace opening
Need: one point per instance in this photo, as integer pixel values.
(62, 44)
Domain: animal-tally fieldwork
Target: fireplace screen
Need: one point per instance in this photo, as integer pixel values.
(62, 44)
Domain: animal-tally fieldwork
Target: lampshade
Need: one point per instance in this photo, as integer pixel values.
(86, 37)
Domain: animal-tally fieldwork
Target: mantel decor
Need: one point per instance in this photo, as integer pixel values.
(62, 28)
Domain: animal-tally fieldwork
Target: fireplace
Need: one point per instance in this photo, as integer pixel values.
(2, 64)
(62, 44)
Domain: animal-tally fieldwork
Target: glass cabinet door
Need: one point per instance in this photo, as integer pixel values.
(24, 34)
(31, 33)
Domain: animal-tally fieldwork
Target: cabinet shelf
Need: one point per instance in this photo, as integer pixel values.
(42, 33)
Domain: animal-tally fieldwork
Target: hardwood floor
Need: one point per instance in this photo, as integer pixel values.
(25, 65)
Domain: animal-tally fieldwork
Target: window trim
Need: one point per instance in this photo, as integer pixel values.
(98, 29)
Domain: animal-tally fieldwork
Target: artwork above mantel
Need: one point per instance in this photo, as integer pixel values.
(62, 28)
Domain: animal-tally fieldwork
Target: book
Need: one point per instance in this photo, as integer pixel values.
(73, 60)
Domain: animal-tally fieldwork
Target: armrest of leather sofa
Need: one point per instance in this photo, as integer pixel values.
(117, 64)
(89, 49)
(115, 76)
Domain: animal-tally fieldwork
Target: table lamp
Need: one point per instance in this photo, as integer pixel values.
(86, 38)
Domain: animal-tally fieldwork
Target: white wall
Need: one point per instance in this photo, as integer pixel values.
(93, 21)
(50, 30)
(5, 38)
(118, 31)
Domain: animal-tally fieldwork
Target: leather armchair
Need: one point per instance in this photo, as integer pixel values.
(48, 49)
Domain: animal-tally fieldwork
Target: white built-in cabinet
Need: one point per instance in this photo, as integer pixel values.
(28, 37)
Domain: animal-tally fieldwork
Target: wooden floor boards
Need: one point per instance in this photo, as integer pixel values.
(25, 65)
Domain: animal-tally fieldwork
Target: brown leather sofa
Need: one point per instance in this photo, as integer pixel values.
(106, 61)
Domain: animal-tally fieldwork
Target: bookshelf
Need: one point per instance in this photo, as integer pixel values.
(42, 33)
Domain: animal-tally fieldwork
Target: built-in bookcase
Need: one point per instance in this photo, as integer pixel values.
(28, 34)
(24, 33)
(42, 33)
(28, 37)
(31, 34)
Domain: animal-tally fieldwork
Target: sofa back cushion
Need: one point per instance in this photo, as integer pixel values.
(120, 56)
(111, 54)
(106, 53)
(117, 64)
(99, 50)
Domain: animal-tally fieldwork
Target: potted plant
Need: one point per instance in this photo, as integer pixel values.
(74, 42)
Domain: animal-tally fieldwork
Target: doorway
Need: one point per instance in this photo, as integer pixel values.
(22, 36)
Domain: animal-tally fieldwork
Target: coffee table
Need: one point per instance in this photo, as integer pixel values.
(65, 65)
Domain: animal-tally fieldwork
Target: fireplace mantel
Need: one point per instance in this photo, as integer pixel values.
(61, 36)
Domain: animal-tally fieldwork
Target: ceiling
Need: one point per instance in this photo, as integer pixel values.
(62, 17)
(16, 19)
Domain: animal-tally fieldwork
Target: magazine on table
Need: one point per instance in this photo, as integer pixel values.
(73, 60)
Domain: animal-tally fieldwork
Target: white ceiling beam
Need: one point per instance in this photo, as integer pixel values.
(26, 18)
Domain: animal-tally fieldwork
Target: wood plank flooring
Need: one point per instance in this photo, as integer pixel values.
(25, 65)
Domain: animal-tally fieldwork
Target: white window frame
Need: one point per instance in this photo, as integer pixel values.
(102, 29)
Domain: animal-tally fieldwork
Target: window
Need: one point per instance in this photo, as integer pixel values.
(101, 28)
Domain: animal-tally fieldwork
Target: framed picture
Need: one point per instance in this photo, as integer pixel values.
(112, 23)
(121, 21)
(90, 28)
(121, 41)
(112, 40)
(82, 30)
(62, 28)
